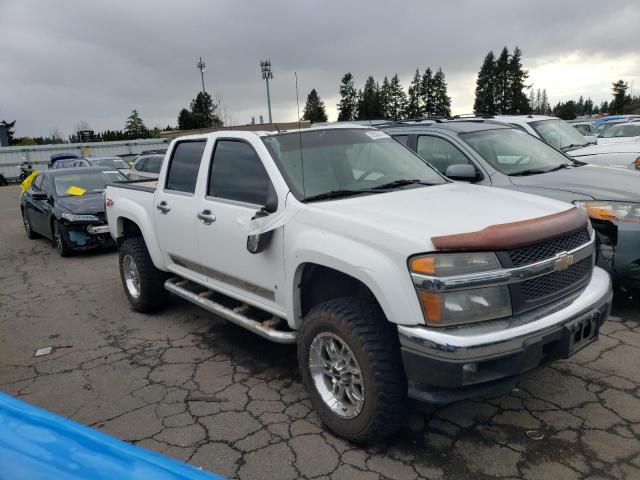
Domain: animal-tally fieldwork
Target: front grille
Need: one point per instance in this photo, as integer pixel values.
(556, 282)
(548, 249)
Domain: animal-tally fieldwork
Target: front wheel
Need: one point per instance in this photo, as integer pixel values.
(349, 359)
(59, 239)
(142, 281)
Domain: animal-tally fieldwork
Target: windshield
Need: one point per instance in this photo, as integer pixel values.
(90, 182)
(345, 159)
(604, 126)
(624, 130)
(559, 134)
(110, 162)
(514, 152)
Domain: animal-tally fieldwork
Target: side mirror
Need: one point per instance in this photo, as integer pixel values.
(462, 172)
(259, 242)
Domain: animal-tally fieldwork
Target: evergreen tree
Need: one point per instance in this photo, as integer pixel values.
(532, 101)
(314, 109)
(545, 108)
(485, 101)
(414, 106)
(565, 110)
(426, 94)
(588, 107)
(134, 127)
(385, 98)
(184, 120)
(369, 104)
(620, 98)
(397, 99)
(519, 104)
(9, 129)
(539, 104)
(502, 90)
(604, 107)
(580, 106)
(203, 112)
(442, 101)
(347, 108)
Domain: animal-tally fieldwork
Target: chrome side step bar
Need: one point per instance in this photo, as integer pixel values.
(177, 287)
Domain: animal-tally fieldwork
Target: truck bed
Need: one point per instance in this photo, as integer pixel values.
(149, 185)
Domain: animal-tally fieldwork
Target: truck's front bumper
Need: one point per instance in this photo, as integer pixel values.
(444, 365)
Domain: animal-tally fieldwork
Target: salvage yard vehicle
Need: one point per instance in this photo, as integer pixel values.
(487, 152)
(394, 281)
(147, 166)
(67, 206)
(624, 132)
(115, 163)
(560, 135)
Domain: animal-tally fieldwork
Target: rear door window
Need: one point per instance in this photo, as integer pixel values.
(440, 153)
(237, 174)
(184, 166)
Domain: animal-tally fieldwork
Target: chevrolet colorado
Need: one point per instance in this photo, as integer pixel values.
(394, 281)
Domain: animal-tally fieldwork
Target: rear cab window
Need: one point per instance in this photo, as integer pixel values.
(184, 165)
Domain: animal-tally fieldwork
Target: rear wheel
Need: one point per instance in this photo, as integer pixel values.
(59, 240)
(142, 281)
(349, 359)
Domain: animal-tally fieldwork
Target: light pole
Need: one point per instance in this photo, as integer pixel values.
(265, 68)
(201, 66)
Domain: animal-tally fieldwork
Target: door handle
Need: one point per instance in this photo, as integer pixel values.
(163, 207)
(207, 217)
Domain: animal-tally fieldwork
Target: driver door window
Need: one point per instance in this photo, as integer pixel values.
(440, 153)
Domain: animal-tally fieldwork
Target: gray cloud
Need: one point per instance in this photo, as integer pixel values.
(66, 61)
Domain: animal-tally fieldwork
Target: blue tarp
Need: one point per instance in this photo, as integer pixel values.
(39, 445)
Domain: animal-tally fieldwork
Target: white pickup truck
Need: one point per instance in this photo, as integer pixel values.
(393, 281)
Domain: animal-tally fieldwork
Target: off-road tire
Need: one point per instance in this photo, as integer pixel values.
(27, 226)
(374, 342)
(58, 239)
(152, 294)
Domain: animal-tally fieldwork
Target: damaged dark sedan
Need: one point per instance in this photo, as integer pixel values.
(67, 207)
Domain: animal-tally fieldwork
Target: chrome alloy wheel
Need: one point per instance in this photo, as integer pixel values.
(131, 277)
(336, 375)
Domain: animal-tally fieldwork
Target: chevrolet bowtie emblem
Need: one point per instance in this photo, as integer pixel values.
(563, 261)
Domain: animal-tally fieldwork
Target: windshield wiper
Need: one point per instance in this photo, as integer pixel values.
(573, 146)
(400, 183)
(337, 194)
(536, 171)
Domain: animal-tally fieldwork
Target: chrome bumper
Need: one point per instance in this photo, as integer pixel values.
(504, 336)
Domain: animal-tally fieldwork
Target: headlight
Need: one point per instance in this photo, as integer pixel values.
(70, 217)
(443, 309)
(612, 211)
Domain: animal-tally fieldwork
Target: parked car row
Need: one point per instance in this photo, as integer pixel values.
(430, 259)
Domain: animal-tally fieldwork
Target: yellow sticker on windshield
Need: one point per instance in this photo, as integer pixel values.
(75, 191)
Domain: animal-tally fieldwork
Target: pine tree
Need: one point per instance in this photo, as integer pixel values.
(369, 105)
(203, 112)
(184, 120)
(385, 99)
(134, 127)
(314, 109)
(545, 108)
(485, 101)
(580, 106)
(502, 90)
(519, 104)
(442, 101)
(348, 106)
(620, 99)
(604, 107)
(426, 94)
(539, 106)
(532, 100)
(9, 129)
(588, 107)
(397, 99)
(414, 105)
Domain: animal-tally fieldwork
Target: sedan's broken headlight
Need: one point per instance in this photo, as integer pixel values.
(443, 308)
(612, 211)
(72, 217)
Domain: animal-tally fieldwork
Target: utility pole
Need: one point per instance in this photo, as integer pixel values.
(201, 66)
(265, 68)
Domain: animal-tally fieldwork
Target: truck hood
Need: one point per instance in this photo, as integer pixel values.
(416, 215)
(609, 141)
(600, 183)
(82, 204)
(620, 147)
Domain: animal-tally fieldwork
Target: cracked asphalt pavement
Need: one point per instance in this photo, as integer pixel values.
(202, 390)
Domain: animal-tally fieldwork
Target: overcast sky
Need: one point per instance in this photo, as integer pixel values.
(64, 61)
